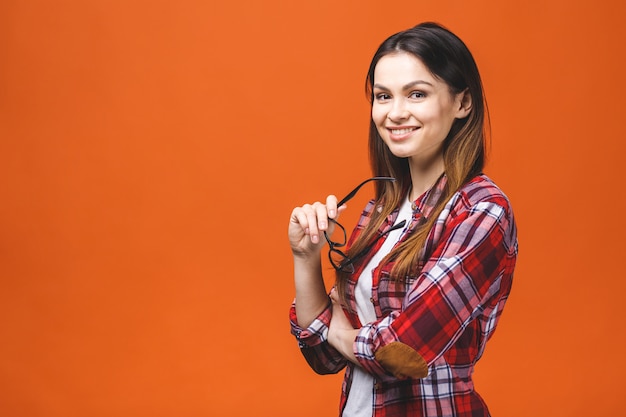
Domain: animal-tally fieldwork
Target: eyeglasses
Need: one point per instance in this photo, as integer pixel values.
(338, 259)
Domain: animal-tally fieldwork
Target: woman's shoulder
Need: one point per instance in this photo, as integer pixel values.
(482, 189)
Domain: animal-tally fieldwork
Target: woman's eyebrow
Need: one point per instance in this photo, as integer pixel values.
(406, 86)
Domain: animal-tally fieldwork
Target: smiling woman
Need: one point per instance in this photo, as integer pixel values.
(151, 152)
(414, 111)
(432, 258)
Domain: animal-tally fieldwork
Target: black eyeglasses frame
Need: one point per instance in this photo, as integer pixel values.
(347, 263)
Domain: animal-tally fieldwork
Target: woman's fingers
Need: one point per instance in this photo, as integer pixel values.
(313, 214)
(331, 205)
(321, 213)
(333, 295)
(317, 217)
(312, 219)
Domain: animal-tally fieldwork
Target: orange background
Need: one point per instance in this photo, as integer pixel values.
(150, 155)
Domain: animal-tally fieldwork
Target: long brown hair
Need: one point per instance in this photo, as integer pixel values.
(449, 59)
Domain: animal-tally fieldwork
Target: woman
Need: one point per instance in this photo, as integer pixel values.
(430, 264)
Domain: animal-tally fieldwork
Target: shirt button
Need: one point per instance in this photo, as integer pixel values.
(377, 386)
(372, 300)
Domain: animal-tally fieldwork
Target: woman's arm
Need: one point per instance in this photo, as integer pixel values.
(341, 334)
(311, 296)
(311, 313)
(306, 228)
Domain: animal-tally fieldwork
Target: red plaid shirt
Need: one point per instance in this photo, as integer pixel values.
(446, 314)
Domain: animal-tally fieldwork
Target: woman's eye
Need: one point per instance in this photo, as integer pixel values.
(417, 95)
(382, 96)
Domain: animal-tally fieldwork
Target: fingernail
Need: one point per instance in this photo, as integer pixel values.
(331, 213)
(314, 238)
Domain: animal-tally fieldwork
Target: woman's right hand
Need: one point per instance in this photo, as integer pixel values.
(308, 224)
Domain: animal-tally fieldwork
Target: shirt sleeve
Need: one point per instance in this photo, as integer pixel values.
(313, 342)
(462, 277)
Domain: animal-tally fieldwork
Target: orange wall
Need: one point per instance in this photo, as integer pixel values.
(150, 155)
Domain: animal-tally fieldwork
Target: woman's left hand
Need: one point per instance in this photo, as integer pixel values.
(340, 320)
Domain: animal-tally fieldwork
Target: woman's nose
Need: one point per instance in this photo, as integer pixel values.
(398, 111)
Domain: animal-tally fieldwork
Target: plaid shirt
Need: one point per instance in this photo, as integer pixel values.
(446, 314)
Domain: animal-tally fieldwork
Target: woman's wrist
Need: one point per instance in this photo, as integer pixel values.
(343, 341)
(307, 266)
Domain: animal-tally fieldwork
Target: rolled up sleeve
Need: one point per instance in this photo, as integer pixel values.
(313, 342)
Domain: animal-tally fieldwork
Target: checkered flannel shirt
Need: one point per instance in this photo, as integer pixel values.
(446, 314)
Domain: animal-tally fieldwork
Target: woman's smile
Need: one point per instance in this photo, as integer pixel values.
(400, 133)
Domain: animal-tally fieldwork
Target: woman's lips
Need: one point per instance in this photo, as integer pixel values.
(399, 133)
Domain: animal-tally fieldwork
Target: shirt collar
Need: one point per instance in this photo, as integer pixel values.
(425, 203)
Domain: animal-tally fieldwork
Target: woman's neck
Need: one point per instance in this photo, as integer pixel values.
(424, 176)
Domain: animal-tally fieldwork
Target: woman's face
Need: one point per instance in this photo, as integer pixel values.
(412, 109)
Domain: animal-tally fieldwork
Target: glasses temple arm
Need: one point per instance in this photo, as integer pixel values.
(358, 187)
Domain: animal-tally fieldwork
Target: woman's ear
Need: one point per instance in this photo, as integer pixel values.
(464, 100)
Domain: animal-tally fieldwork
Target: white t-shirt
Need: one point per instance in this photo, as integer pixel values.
(361, 397)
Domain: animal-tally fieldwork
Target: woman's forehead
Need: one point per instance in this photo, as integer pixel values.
(401, 68)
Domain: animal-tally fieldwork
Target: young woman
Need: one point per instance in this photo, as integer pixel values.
(429, 266)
